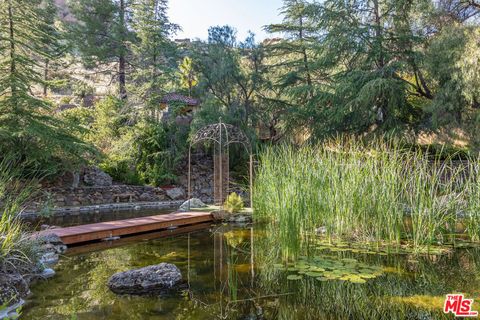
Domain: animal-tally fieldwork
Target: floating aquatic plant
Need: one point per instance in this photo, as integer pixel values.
(323, 268)
(383, 249)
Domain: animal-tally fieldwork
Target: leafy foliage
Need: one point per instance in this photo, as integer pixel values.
(27, 125)
(233, 203)
(101, 33)
(453, 61)
(145, 152)
(17, 250)
(154, 54)
(356, 67)
(230, 72)
(188, 79)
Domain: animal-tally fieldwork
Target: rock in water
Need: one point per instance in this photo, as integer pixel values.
(156, 279)
(51, 243)
(194, 203)
(47, 273)
(321, 230)
(49, 258)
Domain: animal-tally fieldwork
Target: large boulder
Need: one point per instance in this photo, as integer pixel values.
(95, 177)
(50, 243)
(175, 193)
(151, 280)
(49, 238)
(191, 204)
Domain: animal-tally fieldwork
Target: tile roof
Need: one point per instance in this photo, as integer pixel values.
(175, 97)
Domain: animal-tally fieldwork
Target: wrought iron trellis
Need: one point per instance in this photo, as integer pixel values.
(222, 135)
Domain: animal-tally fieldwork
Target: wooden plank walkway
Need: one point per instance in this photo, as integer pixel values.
(102, 230)
(101, 245)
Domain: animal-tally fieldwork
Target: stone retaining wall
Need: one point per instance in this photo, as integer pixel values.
(92, 187)
(201, 177)
(56, 197)
(74, 211)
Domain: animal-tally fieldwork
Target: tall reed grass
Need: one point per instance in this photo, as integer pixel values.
(472, 213)
(17, 249)
(375, 192)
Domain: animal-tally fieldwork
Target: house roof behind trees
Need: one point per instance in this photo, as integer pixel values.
(175, 97)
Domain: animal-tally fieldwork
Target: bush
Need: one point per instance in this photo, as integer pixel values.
(233, 203)
(82, 89)
(17, 250)
(66, 100)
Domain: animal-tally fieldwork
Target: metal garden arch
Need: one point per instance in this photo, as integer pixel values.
(222, 135)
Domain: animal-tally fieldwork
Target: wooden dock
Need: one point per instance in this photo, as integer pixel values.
(102, 230)
(102, 245)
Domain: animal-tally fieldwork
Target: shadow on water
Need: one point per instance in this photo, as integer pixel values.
(232, 275)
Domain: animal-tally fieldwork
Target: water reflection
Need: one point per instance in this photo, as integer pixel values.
(231, 275)
(78, 218)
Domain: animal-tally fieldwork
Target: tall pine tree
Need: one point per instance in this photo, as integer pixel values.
(27, 126)
(102, 35)
(154, 52)
(372, 51)
(52, 41)
(297, 79)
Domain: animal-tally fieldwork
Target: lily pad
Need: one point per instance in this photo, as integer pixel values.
(330, 267)
(313, 274)
(357, 280)
(316, 269)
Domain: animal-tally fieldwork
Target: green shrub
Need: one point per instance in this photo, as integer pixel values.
(66, 100)
(17, 250)
(82, 89)
(233, 203)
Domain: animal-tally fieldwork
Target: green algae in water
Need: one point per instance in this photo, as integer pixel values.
(323, 267)
(221, 286)
(383, 249)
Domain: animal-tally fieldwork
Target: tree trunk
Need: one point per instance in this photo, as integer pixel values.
(378, 35)
(13, 67)
(45, 77)
(305, 60)
(121, 59)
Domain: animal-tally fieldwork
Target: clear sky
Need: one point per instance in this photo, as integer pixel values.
(195, 16)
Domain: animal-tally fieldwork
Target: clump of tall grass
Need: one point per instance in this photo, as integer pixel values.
(17, 249)
(373, 192)
(472, 195)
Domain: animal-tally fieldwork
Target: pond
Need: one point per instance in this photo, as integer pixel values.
(78, 218)
(232, 274)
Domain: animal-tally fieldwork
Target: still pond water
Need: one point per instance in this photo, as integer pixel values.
(233, 273)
